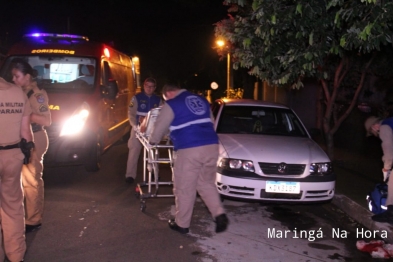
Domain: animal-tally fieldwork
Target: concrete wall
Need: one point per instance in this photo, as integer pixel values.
(302, 101)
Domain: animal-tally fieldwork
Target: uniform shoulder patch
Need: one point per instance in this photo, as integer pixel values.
(196, 105)
(40, 98)
(43, 108)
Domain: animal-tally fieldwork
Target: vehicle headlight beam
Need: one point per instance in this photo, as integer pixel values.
(76, 122)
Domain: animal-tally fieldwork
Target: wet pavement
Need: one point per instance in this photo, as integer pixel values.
(97, 217)
(279, 233)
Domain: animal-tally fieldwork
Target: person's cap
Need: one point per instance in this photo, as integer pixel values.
(369, 123)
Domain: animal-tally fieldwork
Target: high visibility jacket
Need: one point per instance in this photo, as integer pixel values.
(192, 125)
(145, 104)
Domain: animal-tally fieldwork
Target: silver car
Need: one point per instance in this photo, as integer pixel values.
(267, 154)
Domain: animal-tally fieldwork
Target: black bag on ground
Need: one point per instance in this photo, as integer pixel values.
(377, 198)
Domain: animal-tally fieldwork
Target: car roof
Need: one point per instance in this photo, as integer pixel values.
(250, 102)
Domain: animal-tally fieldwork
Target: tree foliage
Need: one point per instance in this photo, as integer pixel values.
(283, 42)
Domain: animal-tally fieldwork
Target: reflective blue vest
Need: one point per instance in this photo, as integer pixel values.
(192, 125)
(145, 104)
(388, 121)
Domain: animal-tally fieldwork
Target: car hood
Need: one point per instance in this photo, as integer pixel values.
(271, 149)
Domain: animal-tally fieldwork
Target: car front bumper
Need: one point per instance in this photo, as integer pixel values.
(312, 189)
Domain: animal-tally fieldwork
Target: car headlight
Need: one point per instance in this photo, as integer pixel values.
(320, 169)
(239, 164)
(76, 122)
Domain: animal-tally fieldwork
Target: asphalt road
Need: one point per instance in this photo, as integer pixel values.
(97, 217)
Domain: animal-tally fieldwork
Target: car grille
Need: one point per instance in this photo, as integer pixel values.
(265, 194)
(239, 191)
(251, 193)
(291, 169)
(318, 194)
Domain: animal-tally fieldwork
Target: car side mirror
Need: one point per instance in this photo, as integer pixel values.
(110, 91)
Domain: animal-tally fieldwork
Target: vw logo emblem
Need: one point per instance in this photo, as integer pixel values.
(282, 167)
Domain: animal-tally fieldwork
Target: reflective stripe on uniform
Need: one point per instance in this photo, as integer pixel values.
(199, 121)
(141, 113)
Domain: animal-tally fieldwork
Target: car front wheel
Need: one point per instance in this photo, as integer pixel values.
(93, 161)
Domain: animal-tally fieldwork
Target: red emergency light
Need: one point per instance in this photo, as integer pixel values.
(107, 53)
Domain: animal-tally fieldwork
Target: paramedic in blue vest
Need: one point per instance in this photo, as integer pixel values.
(384, 130)
(139, 106)
(189, 120)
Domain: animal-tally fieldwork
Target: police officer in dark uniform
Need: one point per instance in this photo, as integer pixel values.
(139, 106)
(14, 125)
(189, 120)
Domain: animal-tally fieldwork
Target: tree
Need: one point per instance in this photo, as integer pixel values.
(283, 42)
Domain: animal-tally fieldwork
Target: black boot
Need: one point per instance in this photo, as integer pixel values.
(386, 216)
(172, 225)
(221, 223)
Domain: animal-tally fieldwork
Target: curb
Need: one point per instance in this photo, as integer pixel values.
(362, 216)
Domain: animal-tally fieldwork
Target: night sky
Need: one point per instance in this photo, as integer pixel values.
(173, 38)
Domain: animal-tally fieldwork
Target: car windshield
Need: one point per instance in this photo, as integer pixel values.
(58, 73)
(260, 121)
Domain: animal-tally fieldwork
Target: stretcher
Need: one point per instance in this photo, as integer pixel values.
(150, 186)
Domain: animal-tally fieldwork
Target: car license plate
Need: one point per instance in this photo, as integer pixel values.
(282, 187)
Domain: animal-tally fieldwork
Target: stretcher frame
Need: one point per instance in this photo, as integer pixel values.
(151, 161)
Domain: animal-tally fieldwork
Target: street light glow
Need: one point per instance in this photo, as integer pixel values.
(220, 43)
(214, 85)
